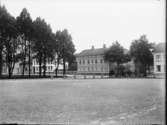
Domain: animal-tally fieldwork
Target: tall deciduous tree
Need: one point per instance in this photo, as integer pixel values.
(64, 48)
(3, 13)
(115, 54)
(58, 45)
(140, 51)
(42, 46)
(24, 24)
(9, 39)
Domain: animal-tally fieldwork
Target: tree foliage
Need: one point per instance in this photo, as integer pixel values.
(64, 48)
(9, 42)
(116, 54)
(25, 28)
(42, 46)
(140, 50)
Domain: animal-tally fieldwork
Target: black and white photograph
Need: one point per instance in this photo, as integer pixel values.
(83, 62)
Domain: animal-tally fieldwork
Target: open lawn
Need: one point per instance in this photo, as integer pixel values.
(87, 101)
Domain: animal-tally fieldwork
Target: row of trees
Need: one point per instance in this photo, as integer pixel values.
(140, 53)
(22, 39)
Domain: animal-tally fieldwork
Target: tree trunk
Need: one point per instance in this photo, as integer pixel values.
(40, 65)
(64, 67)
(29, 59)
(56, 71)
(44, 66)
(117, 70)
(24, 58)
(145, 70)
(9, 72)
(1, 62)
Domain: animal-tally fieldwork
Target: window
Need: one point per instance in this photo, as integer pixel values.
(158, 68)
(83, 61)
(88, 68)
(79, 61)
(157, 57)
(96, 61)
(92, 61)
(95, 68)
(88, 62)
(101, 61)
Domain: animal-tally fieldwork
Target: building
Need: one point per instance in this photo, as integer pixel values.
(159, 59)
(50, 66)
(91, 61)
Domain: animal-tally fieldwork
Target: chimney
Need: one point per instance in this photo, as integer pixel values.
(93, 47)
(104, 45)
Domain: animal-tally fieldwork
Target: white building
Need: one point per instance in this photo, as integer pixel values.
(50, 66)
(159, 59)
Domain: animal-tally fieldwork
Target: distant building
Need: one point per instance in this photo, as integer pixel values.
(50, 66)
(159, 59)
(91, 61)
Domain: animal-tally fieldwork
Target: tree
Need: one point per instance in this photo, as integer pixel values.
(57, 44)
(72, 63)
(3, 13)
(42, 46)
(68, 48)
(24, 24)
(115, 54)
(48, 48)
(9, 39)
(140, 51)
(64, 49)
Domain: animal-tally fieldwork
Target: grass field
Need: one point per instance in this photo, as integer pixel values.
(93, 101)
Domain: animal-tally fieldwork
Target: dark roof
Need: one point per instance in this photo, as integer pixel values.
(95, 52)
(92, 52)
(159, 48)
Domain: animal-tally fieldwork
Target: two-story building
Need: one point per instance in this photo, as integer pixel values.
(159, 59)
(92, 61)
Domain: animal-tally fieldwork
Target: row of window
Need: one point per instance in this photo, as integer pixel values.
(36, 63)
(92, 69)
(158, 58)
(90, 61)
(48, 68)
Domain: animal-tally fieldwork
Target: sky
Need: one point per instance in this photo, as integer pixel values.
(98, 22)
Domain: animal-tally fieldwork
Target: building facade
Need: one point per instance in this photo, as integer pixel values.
(50, 66)
(159, 59)
(91, 61)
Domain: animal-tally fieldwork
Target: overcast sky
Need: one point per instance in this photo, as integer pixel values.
(98, 22)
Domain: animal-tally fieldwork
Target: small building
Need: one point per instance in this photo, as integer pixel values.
(159, 59)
